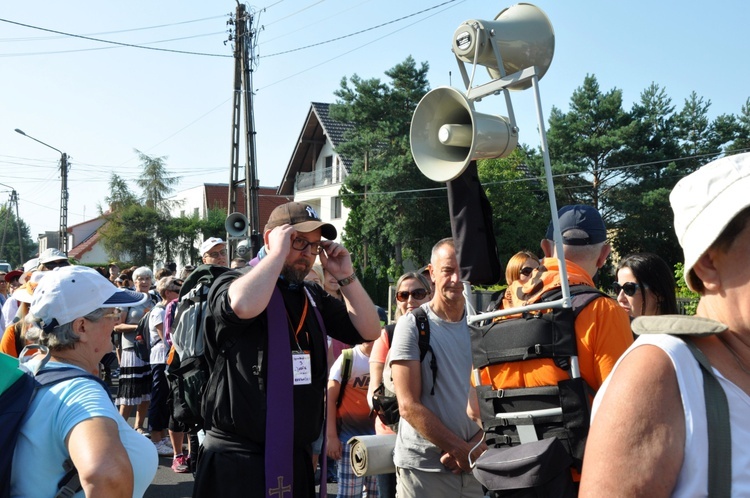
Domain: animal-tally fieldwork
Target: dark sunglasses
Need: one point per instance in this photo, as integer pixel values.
(56, 264)
(526, 271)
(629, 288)
(403, 296)
(301, 245)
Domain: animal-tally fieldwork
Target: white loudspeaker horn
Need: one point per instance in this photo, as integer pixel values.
(524, 37)
(236, 225)
(447, 134)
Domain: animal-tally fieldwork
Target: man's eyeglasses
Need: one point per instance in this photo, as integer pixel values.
(526, 271)
(216, 254)
(629, 288)
(302, 244)
(117, 313)
(417, 294)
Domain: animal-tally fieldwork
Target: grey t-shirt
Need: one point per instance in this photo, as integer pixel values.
(133, 316)
(451, 345)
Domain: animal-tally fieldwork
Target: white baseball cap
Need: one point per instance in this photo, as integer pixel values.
(209, 243)
(50, 255)
(71, 292)
(705, 201)
(25, 292)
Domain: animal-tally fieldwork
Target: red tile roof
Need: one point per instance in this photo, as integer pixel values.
(217, 196)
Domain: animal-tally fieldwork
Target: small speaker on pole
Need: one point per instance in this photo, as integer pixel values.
(236, 225)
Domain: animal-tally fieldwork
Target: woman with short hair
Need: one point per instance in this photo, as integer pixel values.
(71, 316)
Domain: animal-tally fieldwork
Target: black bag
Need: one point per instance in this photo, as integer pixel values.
(537, 469)
(384, 402)
(141, 343)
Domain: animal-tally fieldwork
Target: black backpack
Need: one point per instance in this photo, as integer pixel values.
(543, 427)
(18, 386)
(384, 402)
(188, 373)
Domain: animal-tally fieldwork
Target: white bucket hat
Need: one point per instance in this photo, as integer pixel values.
(705, 201)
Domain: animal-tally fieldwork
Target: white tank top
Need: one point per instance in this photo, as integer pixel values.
(693, 478)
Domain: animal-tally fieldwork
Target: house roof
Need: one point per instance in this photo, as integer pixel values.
(317, 127)
(216, 196)
(85, 246)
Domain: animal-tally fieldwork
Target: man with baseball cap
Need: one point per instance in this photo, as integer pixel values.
(268, 401)
(602, 328)
(214, 251)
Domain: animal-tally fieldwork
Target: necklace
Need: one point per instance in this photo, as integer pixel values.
(734, 355)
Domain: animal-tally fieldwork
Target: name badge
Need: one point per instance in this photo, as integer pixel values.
(302, 369)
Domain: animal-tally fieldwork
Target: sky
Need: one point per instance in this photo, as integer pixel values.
(97, 101)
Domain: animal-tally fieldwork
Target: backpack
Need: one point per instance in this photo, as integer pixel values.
(535, 434)
(18, 386)
(384, 402)
(142, 342)
(189, 372)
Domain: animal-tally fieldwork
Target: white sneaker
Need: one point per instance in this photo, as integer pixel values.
(163, 449)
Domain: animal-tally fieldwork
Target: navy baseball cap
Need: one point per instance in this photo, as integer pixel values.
(580, 225)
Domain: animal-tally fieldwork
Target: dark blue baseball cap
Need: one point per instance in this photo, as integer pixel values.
(580, 225)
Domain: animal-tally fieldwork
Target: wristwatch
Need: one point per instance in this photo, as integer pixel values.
(346, 281)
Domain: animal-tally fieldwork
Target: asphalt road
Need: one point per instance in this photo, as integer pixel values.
(169, 484)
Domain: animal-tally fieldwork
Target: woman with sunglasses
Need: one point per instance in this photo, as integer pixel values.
(645, 286)
(519, 269)
(412, 290)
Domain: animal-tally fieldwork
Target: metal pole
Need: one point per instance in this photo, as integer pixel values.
(63, 233)
(14, 198)
(64, 205)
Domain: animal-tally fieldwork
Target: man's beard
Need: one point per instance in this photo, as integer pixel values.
(293, 275)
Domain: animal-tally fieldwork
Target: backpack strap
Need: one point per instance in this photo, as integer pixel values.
(423, 329)
(719, 429)
(389, 330)
(346, 373)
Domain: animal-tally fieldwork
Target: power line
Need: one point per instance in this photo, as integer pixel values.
(120, 44)
(360, 31)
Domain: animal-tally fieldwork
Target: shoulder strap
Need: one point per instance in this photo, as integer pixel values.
(423, 328)
(719, 430)
(389, 330)
(346, 373)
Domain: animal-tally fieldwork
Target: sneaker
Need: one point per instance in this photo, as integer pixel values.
(164, 449)
(143, 432)
(180, 464)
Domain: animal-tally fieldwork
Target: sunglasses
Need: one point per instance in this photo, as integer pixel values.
(403, 296)
(526, 271)
(629, 288)
(302, 244)
(56, 264)
(216, 254)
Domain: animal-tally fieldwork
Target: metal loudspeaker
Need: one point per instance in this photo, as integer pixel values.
(236, 225)
(524, 38)
(447, 134)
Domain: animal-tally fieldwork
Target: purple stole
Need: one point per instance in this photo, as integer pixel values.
(280, 402)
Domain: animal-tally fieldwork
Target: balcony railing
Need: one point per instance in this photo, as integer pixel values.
(317, 178)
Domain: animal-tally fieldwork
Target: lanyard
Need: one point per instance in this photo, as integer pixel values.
(301, 323)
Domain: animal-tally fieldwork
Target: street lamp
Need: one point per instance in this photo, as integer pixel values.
(63, 233)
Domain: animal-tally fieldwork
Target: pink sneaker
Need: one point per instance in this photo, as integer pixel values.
(180, 465)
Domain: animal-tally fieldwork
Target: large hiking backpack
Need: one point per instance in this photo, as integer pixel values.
(547, 425)
(18, 386)
(384, 402)
(189, 372)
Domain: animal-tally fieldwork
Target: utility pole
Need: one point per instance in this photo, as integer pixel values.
(243, 86)
(64, 166)
(14, 199)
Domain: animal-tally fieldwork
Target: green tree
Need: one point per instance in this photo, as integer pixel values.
(9, 238)
(520, 206)
(129, 234)
(588, 145)
(640, 201)
(156, 182)
(741, 142)
(396, 214)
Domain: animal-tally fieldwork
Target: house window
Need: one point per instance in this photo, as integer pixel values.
(196, 212)
(335, 208)
(329, 162)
